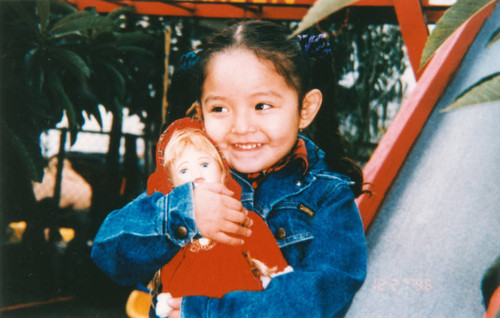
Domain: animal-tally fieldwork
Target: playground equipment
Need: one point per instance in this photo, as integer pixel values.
(436, 190)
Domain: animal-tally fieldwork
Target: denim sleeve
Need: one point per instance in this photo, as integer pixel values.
(321, 285)
(138, 239)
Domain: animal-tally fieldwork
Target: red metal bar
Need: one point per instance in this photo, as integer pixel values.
(235, 9)
(101, 6)
(384, 165)
(229, 10)
(413, 28)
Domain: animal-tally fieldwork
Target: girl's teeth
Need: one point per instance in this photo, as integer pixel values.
(248, 146)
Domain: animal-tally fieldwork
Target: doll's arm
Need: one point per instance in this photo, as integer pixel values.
(162, 309)
(138, 239)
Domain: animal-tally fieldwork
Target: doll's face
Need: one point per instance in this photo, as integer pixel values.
(196, 166)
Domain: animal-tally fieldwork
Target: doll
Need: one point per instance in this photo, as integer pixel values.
(203, 267)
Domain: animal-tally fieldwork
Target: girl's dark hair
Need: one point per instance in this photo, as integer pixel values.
(490, 282)
(302, 70)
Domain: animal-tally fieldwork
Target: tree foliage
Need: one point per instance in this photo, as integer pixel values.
(370, 60)
(452, 19)
(57, 60)
(484, 91)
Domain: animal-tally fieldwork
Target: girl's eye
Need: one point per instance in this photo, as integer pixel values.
(183, 171)
(205, 165)
(219, 109)
(262, 106)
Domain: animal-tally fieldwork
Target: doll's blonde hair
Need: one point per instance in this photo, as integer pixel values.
(195, 139)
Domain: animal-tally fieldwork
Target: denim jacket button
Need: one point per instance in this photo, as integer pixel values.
(280, 233)
(298, 183)
(181, 232)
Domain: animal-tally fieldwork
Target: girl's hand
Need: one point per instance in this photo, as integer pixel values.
(218, 215)
(175, 303)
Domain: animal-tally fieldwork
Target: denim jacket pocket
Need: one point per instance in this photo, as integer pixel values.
(290, 223)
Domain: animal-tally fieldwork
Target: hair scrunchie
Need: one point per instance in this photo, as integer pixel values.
(315, 45)
(188, 60)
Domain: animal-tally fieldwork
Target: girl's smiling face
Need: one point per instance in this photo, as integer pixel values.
(249, 110)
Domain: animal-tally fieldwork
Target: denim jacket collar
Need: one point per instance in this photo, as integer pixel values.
(284, 183)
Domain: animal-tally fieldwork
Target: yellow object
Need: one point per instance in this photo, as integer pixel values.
(138, 304)
(15, 231)
(67, 233)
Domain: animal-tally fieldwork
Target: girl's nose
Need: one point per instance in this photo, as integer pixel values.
(242, 122)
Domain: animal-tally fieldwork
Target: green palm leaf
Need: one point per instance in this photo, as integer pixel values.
(22, 151)
(115, 14)
(43, 10)
(60, 96)
(26, 18)
(30, 59)
(484, 91)
(135, 50)
(320, 10)
(453, 18)
(495, 37)
(72, 16)
(94, 111)
(133, 38)
(119, 83)
(75, 64)
(81, 23)
(62, 7)
(34, 69)
(67, 39)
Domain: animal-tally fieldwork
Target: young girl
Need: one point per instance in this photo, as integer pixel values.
(203, 267)
(257, 89)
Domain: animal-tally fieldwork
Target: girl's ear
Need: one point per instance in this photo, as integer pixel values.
(310, 107)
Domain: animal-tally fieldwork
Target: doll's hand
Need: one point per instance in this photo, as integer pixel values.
(175, 304)
(218, 215)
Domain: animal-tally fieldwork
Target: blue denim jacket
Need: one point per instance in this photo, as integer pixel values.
(317, 226)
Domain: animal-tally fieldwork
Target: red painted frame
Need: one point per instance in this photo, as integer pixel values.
(262, 9)
(414, 30)
(412, 15)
